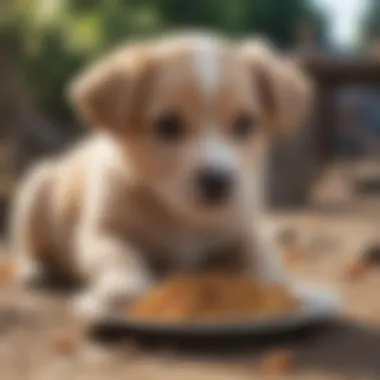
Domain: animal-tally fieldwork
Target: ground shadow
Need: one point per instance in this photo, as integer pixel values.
(343, 347)
(348, 348)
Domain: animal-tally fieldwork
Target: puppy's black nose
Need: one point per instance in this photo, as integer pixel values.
(214, 184)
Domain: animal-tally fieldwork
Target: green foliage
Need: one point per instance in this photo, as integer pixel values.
(59, 36)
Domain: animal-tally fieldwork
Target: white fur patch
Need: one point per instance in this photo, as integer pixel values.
(207, 64)
(219, 152)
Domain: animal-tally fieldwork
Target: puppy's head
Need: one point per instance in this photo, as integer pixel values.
(195, 116)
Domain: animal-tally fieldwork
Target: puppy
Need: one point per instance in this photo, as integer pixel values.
(172, 178)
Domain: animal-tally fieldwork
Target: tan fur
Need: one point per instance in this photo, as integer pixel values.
(32, 217)
(119, 208)
(286, 92)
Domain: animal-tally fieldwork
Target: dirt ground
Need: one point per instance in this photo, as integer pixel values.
(40, 339)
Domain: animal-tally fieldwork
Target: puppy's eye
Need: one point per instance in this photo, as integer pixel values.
(169, 127)
(243, 125)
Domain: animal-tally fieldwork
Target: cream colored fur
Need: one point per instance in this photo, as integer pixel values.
(118, 209)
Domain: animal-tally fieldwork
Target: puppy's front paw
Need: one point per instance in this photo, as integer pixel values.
(112, 294)
(315, 298)
(118, 287)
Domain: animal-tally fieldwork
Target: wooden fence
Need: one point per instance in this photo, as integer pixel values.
(298, 163)
(331, 74)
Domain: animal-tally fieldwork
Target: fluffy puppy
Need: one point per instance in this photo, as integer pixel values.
(172, 177)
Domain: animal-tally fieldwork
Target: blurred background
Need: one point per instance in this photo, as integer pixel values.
(44, 42)
(324, 182)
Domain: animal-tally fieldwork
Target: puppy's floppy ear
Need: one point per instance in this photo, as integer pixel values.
(111, 92)
(285, 93)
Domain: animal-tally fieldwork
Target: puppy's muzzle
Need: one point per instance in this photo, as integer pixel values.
(214, 185)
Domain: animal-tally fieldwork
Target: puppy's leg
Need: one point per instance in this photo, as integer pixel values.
(264, 256)
(115, 272)
(110, 266)
(30, 235)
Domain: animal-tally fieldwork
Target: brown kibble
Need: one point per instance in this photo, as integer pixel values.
(279, 362)
(129, 349)
(291, 255)
(356, 270)
(7, 271)
(211, 295)
(64, 344)
(176, 314)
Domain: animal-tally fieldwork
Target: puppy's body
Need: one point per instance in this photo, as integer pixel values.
(175, 180)
(67, 196)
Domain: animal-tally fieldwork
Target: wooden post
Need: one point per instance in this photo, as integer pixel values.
(330, 74)
(326, 119)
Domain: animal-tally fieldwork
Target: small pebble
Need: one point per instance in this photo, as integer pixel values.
(278, 362)
(64, 344)
(130, 349)
(356, 270)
